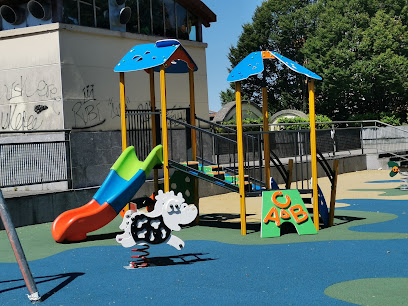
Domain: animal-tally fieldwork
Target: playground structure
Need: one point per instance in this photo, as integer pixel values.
(169, 56)
(253, 64)
(240, 171)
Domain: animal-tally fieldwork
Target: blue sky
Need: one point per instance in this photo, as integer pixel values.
(231, 15)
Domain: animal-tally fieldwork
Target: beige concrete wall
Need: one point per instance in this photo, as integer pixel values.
(91, 88)
(30, 79)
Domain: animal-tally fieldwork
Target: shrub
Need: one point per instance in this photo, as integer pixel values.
(387, 118)
(318, 118)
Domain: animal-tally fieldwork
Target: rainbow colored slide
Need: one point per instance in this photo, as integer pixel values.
(125, 178)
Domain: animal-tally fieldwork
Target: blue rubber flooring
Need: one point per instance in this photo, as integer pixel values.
(213, 273)
(396, 207)
(207, 273)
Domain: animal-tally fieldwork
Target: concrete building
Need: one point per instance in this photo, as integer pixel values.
(56, 71)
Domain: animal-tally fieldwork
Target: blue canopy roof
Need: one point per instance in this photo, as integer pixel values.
(147, 56)
(253, 64)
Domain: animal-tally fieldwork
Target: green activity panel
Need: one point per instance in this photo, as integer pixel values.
(279, 206)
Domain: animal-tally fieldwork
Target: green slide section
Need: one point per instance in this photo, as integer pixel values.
(128, 164)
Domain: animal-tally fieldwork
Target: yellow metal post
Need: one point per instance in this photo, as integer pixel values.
(240, 157)
(122, 110)
(164, 129)
(313, 153)
(193, 137)
(266, 137)
(154, 132)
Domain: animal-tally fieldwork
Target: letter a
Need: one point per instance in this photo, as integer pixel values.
(272, 216)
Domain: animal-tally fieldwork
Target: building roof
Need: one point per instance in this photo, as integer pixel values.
(14, 2)
(198, 8)
(227, 112)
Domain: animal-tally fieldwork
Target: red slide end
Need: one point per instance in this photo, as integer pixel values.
(74, 224)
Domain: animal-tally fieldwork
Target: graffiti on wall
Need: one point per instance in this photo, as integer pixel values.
(16, 113)
(87, 113)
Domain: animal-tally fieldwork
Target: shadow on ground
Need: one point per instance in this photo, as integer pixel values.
(69, 277)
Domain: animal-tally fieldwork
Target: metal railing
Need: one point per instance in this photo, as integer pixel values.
(37, 157)
(370, 136)
(386, 139)
(139, 130)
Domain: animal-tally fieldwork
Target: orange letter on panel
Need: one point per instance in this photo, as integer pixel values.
(272, 216)
(284, 214)
(296, 214)
(280, 205)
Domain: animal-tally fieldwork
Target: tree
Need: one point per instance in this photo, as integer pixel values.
(361, 53)
(359, 47)
(276, 25)
(227, 96)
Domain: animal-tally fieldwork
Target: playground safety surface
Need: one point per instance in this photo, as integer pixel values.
(361, 260)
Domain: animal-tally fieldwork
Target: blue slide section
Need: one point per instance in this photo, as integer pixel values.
(117, 191)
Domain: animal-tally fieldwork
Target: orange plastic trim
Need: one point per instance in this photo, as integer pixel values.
(267, 55)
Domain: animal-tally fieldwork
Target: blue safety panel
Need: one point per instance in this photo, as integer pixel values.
(117, 191)
(274, 185)
(323, 210)
(253, 64)
(295, 66)
(147, 56)
(250, 65)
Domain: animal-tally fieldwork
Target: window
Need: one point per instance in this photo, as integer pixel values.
(193, 27)
(182, 28)
(102, 14)
(145, 17)
(86, 13)
(158, 22)
(150, 17)
(170, 18)
(70, 10)
(133, 25)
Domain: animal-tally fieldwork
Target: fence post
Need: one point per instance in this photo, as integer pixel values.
(68, 153)
(18, 251)
(361, 138)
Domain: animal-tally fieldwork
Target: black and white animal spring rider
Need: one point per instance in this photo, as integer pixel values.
(155, 227)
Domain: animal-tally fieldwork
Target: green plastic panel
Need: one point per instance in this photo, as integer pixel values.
(280, 206)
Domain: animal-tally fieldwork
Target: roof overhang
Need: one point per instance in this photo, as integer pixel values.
(12, 2)
(198, 8)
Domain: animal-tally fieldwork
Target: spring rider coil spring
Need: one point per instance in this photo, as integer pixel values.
(140, 260)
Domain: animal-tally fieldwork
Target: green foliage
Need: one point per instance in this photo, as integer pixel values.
(388, 118)
(320, 119)
(293, 120)
(277, 26)
(246, 121)
(359, 47)
(227, 96)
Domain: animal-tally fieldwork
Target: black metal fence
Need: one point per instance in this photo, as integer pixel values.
(28, 158)
(139, 130)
